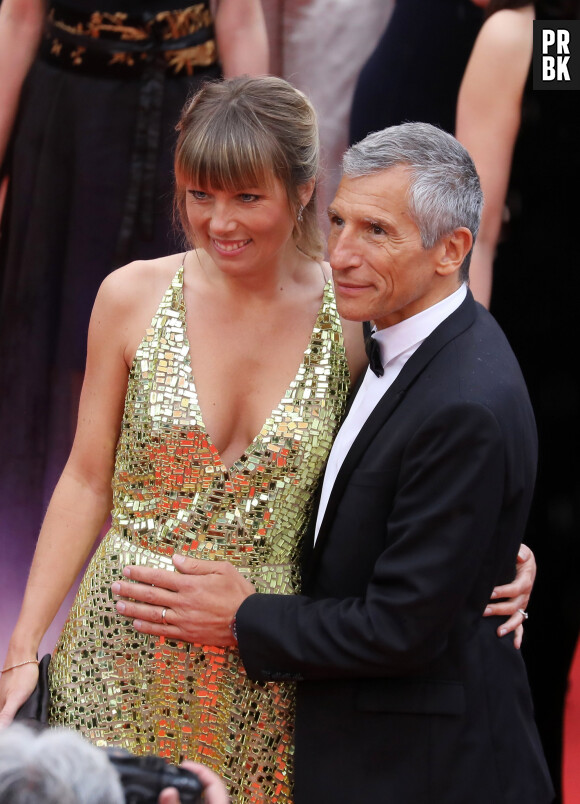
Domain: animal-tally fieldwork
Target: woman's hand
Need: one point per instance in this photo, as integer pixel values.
(514, 597)
(214, 791)
(16, 686)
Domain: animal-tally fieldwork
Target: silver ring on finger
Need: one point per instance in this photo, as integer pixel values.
(524, 613)
(163, 613)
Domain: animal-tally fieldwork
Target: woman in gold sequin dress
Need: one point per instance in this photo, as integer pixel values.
(215, 382)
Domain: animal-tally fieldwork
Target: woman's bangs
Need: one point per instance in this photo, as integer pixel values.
(226, 162)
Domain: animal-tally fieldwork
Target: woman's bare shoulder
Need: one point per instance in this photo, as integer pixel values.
(507, 29)
(140, 280)
(129, 297)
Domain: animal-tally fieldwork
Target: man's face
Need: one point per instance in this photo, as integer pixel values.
(381, 270)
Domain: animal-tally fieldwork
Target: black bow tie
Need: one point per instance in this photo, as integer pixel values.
(373, 350)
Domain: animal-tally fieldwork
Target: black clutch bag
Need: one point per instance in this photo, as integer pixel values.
(36, 706)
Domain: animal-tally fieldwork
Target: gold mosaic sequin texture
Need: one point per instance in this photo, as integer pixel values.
(172, 493)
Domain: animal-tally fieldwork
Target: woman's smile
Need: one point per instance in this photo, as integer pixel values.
(230, 246)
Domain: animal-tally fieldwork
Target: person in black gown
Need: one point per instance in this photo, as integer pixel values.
(415, 71)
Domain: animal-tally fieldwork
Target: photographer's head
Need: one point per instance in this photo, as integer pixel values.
(58, 766)
(55, 766)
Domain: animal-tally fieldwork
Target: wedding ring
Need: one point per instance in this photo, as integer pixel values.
(163, 613)
(524, 613)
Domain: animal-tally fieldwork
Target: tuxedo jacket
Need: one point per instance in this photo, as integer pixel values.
(405, 693)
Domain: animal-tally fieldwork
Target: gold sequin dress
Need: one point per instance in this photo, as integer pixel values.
(173, 493)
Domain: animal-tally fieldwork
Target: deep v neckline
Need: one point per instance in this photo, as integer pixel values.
(239, 464)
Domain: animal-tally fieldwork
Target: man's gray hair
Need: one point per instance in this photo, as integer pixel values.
(444, 192)
(55, 766)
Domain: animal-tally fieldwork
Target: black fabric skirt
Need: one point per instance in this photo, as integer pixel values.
(70, 166)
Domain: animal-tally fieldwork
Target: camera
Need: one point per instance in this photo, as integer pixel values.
(143, 778)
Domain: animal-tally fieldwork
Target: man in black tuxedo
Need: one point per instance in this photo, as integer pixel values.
(405, 694)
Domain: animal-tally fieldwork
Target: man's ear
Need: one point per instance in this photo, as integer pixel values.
(305, 191)
(454, 249)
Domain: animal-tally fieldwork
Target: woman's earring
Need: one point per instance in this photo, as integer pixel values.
(300, 216)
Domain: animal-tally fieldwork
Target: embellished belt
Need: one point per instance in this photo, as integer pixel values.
(122, 45)
(147, 47)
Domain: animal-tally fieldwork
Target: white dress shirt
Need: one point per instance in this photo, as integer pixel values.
(397, 344)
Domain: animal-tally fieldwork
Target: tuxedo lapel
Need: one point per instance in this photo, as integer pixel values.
(457, 323)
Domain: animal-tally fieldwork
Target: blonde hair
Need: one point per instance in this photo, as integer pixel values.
(235, 132)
